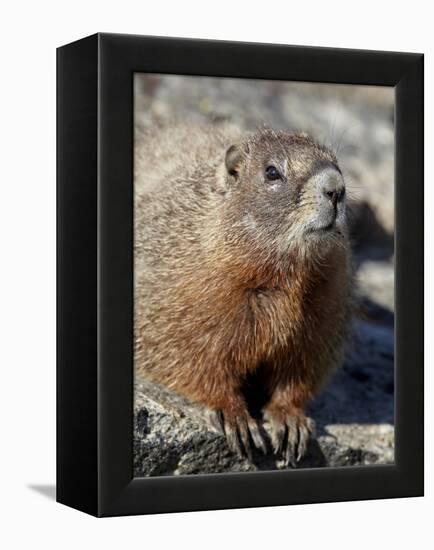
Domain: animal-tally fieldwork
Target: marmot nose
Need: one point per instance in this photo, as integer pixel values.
(332, 185)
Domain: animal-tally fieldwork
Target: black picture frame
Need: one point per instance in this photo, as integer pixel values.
(95, 274)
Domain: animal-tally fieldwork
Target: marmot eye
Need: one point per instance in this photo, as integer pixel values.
(272, 173)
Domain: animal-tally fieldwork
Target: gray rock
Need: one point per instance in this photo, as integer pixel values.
(375, 280)
(353, 415)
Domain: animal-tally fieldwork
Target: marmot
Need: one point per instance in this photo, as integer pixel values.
(242, 272)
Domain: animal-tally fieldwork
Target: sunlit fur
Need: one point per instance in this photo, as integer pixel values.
(231, 276)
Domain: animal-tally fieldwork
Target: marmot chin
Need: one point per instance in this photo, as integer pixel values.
(242, 276)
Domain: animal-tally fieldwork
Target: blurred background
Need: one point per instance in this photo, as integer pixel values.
(354, 413)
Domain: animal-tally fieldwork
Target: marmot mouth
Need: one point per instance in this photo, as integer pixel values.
(328, 227)
(323, 231)
(324, 225)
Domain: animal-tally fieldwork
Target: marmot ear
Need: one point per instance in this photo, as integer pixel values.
(234, 159)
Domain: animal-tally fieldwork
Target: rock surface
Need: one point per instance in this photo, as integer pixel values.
(354, 413)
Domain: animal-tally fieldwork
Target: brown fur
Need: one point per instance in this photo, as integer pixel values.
(230, 279)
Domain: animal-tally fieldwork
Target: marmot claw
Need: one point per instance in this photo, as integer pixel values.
(290, 437)
(241, 432)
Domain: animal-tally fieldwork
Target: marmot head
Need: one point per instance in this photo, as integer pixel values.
(285, 192)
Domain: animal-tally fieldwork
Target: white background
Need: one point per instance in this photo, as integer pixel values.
(29, 34)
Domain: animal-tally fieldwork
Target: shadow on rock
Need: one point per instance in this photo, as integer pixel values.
(369, 238)
(362, 391)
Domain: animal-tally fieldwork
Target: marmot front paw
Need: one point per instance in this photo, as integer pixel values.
(241, 431)
(289, 434)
